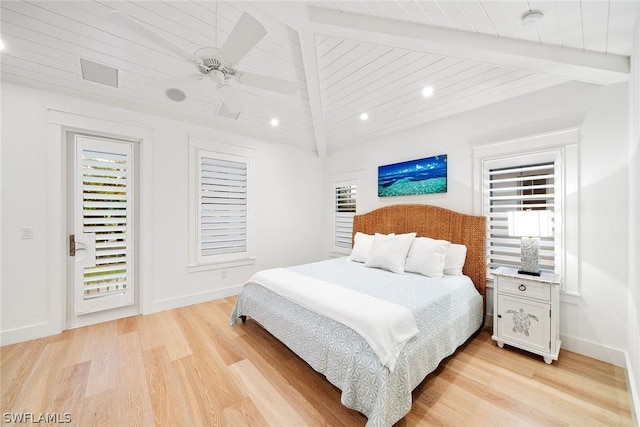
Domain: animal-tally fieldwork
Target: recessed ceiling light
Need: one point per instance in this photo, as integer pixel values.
(531, 17)
(274, 122)
(175, 94)
(427, 91)
(1, 45)
(364, 116)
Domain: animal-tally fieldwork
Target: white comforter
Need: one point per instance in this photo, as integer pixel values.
(386, 326)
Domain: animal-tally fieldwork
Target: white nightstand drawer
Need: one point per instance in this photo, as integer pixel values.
(526, 288)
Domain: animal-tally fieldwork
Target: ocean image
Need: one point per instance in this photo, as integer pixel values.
(422, 176)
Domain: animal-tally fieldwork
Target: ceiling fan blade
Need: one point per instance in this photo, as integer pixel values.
(136, 26)
(175, 81)
(230, 98)
(268, 83)
(244, 36)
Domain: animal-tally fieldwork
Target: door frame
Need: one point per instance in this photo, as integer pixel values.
(60, 123)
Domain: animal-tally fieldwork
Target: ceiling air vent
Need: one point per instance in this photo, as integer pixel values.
(98, 73)
(224, 112)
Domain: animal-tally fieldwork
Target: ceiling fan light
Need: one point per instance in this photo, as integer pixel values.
(531, 17)
(217, 77)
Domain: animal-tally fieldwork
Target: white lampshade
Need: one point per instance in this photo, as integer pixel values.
(530, 223)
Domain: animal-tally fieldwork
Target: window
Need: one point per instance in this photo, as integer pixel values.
(534, 172)
(222, 222)
(345, 195)
(514, 184)
(221, 226)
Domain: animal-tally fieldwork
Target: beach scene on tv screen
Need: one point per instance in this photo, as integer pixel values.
(422, 176)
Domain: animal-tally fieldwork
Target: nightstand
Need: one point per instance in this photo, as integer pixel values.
(526, 311)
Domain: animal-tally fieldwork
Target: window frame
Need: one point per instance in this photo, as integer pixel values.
(353, 184)
(343, 180)
(554, 156)
(566, 143)
(199, 148)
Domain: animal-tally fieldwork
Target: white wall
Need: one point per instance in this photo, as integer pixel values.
(594, 323)
(633, 352)
(554, 108)
(600, 317)
(287, 200)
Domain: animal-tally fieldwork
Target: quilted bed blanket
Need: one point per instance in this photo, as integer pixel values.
(447, 312)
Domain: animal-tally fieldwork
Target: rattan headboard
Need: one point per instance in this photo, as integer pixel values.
(437, 223)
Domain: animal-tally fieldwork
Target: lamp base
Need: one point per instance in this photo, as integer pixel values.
(530, 273)
(529, 256)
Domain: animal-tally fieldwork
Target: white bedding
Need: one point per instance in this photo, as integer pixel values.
(447, 311)
(386, 326)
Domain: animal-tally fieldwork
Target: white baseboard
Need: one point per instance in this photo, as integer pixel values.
(45, 329)
(586, 348)
(488, 320)
(634, 391)
(26, 333)
(597, 351)
(185, 300)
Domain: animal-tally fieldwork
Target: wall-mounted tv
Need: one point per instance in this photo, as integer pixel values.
(422, 176)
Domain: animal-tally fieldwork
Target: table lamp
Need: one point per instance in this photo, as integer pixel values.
(530, 226)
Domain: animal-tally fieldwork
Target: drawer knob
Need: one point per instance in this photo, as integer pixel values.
(522, 288)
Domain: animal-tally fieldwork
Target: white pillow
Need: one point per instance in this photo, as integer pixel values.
(390, 252)
(455, 259)
(361, 247)
(427, 256)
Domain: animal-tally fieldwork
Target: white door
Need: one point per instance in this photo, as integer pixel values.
(526, 322)
(101, 243)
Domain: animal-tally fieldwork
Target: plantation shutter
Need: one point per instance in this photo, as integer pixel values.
(104, 224)
(514, 188)
(223, 207)
(345, 209)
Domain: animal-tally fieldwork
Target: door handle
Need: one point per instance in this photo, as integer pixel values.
(87, 245)
(72, 245)
(73, 248)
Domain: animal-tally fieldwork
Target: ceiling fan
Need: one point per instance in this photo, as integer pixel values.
(219, 65)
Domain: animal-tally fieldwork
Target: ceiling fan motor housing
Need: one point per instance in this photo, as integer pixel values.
(211, 61)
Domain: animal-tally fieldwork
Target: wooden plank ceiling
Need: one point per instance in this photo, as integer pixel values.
(376, 61)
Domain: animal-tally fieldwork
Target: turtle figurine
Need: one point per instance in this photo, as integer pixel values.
(521, 321)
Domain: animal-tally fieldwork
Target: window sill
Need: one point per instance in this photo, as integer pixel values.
(570, 297)
(338, 254)
(194, 268)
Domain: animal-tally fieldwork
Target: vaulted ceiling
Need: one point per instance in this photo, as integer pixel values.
(346, 57)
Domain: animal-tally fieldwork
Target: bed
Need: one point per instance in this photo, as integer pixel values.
(349, 358)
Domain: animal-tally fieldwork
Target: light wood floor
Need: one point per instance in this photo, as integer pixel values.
(188, 367)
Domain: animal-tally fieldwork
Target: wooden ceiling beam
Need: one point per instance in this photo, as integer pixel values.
(571, 63)
(294, 15)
